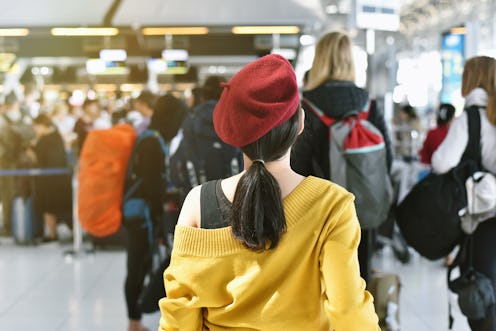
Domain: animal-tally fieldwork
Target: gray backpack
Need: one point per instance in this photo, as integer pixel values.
(357, 160)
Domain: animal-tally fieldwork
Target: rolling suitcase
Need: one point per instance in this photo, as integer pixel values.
(25, 227)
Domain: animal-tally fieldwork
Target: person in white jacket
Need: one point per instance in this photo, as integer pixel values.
(478, 89)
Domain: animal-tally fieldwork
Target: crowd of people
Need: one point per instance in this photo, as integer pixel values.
(256, 157)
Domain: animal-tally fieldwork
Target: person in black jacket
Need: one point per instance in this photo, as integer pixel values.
(210, 156)
(330, 86)
(149, 165)
(53, 194)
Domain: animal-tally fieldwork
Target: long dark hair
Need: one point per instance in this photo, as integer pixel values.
(257, 216)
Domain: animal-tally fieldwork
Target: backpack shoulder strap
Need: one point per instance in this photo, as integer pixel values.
(209, 208)
(473, 149)
(367, 108)
(362, 114)
(464, 258)
(328, 121)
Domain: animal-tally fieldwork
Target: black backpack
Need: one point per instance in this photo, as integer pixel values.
(428, 217)
(202, 156)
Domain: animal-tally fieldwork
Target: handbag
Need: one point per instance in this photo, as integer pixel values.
(475, 290)
(429, 216)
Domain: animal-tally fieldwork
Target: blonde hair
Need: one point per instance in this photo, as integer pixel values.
(333, 60)
(480, 72)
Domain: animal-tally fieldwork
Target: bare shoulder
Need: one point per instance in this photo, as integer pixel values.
(229, 186)
(190, 211)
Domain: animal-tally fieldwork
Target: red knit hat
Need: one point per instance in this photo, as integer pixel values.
(261, 96)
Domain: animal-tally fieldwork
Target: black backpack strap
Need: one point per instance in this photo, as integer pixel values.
(209, 208)
(473, 150)
(463, 261)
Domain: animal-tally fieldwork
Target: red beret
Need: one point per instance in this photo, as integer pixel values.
(261, 96)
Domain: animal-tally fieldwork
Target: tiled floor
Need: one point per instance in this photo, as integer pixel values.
(41, 290)
(424, 294)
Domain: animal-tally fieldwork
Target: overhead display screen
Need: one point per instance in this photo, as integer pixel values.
(453, 59)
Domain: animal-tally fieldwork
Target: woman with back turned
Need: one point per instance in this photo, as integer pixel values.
(267, 249)
(331, 87)
(479, 91)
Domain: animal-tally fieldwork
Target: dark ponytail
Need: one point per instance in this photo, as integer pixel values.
(257, 216)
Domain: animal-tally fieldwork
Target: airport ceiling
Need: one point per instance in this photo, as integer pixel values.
(131, 16)
(159, 12)
(219, 15)
(199, 12)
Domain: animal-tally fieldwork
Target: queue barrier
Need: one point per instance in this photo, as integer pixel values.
(77, 233)
(35, 172)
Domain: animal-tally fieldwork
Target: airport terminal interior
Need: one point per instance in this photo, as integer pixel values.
(87, 66)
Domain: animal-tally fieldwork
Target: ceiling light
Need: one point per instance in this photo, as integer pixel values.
(459, 30)
(14, 32)
(185, 30)
(276, 29)
(84, 31)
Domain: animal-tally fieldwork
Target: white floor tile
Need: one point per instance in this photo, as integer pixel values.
(26, 322)
(40, 291)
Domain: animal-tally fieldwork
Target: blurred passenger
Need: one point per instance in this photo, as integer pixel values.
(53, 198)
(202, 156)
(407, 129)
(435, 136)
(479, 91)
(85, 123)
(144, 105)
(16, 133)
(196, 97)
(331, 88)
(267, 249)
(30, 105)
(150, 168)
(103, 121)
(64, 122)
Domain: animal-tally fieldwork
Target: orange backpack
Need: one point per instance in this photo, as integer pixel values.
(102, 171)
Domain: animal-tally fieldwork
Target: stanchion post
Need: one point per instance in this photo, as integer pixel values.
(77, 233)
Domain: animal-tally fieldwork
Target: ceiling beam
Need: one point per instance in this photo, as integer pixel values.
(109, 16)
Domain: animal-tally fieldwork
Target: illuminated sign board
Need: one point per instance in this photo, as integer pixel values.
(453, 59)
(102, 67)
(173, 62)
(378, 14)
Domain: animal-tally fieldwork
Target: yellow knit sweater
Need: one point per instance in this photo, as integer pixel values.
(310, 281)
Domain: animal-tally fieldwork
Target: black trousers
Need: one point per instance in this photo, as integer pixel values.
(138, 261)
(484, 261)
